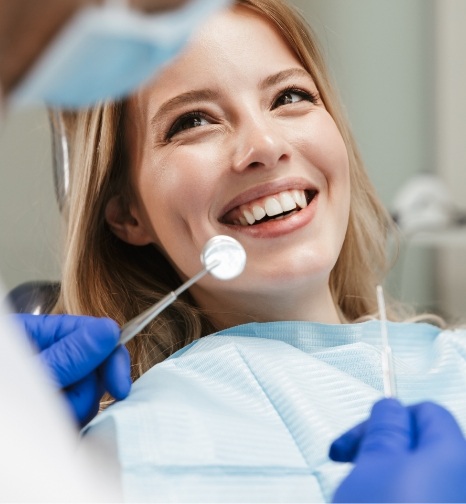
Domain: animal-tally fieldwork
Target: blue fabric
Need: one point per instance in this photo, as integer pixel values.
(248, 414)
(106, 52)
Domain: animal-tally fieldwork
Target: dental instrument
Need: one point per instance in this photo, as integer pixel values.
(222, 256)
(388, 370)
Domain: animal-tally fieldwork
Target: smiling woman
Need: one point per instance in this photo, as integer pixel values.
(247, 141)
(250, 143)
(242, 135)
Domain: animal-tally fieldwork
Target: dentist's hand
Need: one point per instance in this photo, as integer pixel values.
(79, 353)
(403, 454)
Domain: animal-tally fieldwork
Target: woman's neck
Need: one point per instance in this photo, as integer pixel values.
(315, 306)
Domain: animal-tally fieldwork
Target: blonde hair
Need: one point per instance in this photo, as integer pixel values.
(103, 276)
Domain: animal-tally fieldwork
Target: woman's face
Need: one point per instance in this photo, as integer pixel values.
(232, 138)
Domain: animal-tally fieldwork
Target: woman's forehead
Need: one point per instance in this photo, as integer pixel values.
(233, 46)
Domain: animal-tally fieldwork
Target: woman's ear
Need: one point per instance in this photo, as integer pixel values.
(124, 224)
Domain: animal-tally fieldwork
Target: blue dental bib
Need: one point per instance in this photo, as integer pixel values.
(248, 414)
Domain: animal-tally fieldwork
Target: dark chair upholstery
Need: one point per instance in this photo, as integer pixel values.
(36, 297)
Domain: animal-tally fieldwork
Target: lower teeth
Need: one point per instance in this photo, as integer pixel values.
(284, 215)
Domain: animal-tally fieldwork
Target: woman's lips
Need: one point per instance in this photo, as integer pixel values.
(270, 208)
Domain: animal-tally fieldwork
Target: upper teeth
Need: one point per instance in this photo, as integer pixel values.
(271, 206)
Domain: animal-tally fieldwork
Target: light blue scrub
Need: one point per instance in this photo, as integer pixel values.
(248, 414)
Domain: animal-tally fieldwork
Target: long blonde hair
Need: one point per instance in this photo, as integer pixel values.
(103, 276)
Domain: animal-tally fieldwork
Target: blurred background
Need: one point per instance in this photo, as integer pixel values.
(401, 73)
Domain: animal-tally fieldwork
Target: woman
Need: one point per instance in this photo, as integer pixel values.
(98, 264)
(241, 135)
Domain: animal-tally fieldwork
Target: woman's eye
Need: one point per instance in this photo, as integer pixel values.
(293, 96)
(186, 122)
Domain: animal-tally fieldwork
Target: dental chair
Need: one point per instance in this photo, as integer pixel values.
(36, 297)
(39, 296)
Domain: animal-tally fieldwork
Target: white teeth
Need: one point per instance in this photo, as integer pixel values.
(249, 217)
(300, 198)
(303, 200)
(286, 201)
(273, 207)
(258, 212)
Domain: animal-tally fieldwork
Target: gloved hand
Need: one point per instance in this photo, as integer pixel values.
(403, 454)
(79, 353)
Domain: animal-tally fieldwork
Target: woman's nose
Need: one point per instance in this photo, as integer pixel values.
(259, 144)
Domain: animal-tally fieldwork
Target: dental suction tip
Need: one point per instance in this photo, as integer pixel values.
(228, 253)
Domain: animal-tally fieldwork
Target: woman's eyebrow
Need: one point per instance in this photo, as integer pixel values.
(183, 99)
(291, 73)
(211, 94)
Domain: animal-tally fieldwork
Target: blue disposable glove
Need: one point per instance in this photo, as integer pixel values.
(403, 454)
(79, 353)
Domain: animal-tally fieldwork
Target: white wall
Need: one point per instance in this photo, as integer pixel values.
(29, 218)
(451, 142)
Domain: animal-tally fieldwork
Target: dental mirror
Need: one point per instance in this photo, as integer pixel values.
(229, 255)
(222, 256)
